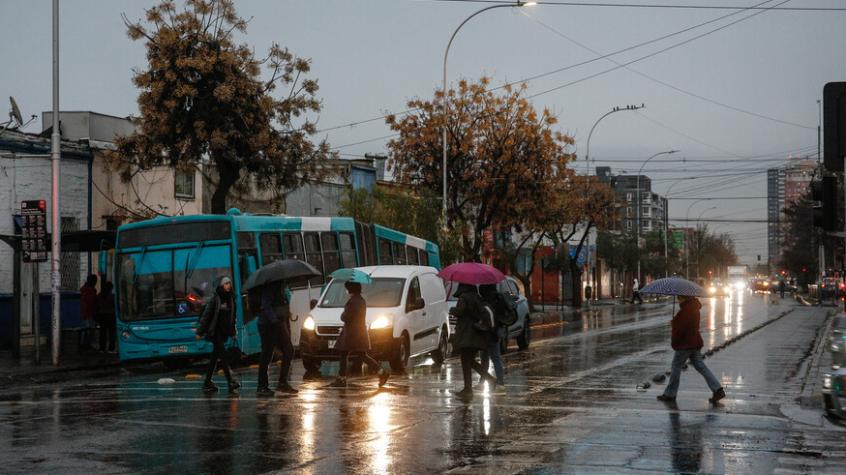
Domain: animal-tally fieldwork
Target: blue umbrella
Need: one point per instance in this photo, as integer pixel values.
(351, 275)
(673, 286)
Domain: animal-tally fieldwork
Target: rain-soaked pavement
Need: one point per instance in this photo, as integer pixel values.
(572, 405)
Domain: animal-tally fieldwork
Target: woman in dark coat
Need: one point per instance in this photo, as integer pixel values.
(275, 331)
(217, 324)
(354, 338)
(106, 318)
(468, 340)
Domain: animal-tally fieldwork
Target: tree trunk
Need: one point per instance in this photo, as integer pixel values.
(576, 282)
(226, 179)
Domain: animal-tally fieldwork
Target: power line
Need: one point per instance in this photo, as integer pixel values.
(653, 5)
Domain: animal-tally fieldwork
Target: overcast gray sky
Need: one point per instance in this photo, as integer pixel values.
(371, 56)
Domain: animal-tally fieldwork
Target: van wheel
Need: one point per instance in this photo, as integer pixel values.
(401, 354)
(311, 365)
(523, 339)
(440, 354)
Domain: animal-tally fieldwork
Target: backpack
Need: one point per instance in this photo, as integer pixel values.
(487, 320)
(505, 311)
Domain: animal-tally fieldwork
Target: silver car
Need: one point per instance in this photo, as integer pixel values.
(837, 342)
(834, 393)
(513, 290)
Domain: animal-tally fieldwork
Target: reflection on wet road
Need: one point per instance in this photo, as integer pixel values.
(570, 405)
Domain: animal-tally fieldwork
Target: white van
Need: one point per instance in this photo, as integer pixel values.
(406, 316)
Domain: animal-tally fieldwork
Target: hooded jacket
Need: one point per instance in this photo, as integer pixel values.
(210, 324)
(354, 336)
(468, 311)
(685, 326)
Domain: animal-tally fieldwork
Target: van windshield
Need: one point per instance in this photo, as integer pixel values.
(383, 292)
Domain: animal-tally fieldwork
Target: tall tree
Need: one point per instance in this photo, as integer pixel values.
(799, 254)
(503, 155)
(203, 100)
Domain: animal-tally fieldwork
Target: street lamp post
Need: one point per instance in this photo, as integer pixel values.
(56, 230)
(667, 152)
(629, 107)
(445, 98)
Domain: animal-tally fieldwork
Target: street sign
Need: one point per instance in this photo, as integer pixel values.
(34, 240)
(678, 239)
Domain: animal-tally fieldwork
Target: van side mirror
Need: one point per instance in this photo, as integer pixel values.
(419, 303)
(312, 304)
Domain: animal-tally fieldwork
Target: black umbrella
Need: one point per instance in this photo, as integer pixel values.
(281, 270)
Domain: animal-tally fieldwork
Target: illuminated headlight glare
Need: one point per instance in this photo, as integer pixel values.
(308, 324)
(381, 322)
(124, 335)
(835, 347)
(740, 285)
(827, 381)
(712, 290)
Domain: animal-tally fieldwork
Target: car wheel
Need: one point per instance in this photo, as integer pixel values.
(401, 354)
(443, 350)
(312, 365)
(523, 339)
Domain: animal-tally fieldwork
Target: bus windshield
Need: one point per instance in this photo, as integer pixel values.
(383, 292)
(169, 283)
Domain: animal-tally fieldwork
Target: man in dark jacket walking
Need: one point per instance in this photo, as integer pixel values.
(469, 339)
(354, 337)
(217, 324)
(275, 332)
(687, 343)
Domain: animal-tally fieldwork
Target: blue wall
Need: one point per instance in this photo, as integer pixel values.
(69, 312)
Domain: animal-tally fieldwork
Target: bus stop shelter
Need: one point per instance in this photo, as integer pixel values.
(24, 316)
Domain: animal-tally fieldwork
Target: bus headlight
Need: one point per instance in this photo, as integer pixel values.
(381, 322)
(308, 324)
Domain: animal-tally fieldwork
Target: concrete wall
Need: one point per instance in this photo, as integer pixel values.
(29, 178)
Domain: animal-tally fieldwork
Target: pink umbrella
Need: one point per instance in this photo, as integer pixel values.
(473, 273)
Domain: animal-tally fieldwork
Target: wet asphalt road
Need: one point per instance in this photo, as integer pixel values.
(571, 406)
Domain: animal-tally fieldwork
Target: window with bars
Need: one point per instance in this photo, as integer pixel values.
(183, 184)
(69, 266)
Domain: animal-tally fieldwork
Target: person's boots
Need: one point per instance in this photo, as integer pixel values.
(209, 386)
(383, 377)
(285, 388)
(233, 385)
(264, 392)
(718, 394)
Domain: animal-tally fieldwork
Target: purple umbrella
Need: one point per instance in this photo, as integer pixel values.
(473, 273)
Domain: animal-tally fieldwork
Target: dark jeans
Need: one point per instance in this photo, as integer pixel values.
(468, 362)
(107, 333)
(361, 354)
(274, 336)
(219, 354)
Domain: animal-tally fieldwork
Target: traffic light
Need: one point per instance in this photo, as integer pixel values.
(824, 194)
(834, 125)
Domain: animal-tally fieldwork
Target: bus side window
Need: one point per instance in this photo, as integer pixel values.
(399, 254)
(313, 255)
(385, 252)
(424, 257)
(294, 246)
(271, 248)
(246, 247)
(411, 252)
(347, 250)
(331, 258)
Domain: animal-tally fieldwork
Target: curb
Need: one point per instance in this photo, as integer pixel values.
(740, 336)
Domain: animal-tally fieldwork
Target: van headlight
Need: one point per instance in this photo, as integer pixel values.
(308, 324)
(826, 381)
(381, 322)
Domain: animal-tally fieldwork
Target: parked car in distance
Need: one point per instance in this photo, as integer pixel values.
(837, 342)
(760, 285)
(513, 291)
(717, 289)
(406, 317)
(834, 393)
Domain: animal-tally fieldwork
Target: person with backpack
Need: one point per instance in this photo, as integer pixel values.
(470, 337)
(502, 312)
(217, 325)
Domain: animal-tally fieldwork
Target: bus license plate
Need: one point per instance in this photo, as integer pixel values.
(178, 349)
(331, 344)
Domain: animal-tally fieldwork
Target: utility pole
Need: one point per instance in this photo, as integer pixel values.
(55, 161)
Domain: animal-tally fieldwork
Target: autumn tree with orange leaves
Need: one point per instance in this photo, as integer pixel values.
(203, 100)
(504, 158)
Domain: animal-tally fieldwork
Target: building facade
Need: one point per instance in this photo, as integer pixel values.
(785, 186)
(650, 209)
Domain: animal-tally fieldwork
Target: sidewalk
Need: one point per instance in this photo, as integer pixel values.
(12, 369)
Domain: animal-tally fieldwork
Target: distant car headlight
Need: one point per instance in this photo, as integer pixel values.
(308, 324)
(381, 322)
(740, 285)
(826, 381)
(712, 290)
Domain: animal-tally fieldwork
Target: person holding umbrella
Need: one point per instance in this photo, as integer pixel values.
(469, 338)
(354, 338)
(686, 340)
(271, 282)
(216, 325)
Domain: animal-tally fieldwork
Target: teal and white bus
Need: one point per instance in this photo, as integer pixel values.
(165, 268)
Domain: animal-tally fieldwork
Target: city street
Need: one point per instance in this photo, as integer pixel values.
(573, 404)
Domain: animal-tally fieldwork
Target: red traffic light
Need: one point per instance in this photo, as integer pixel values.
(42, 204)
(804, 269)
